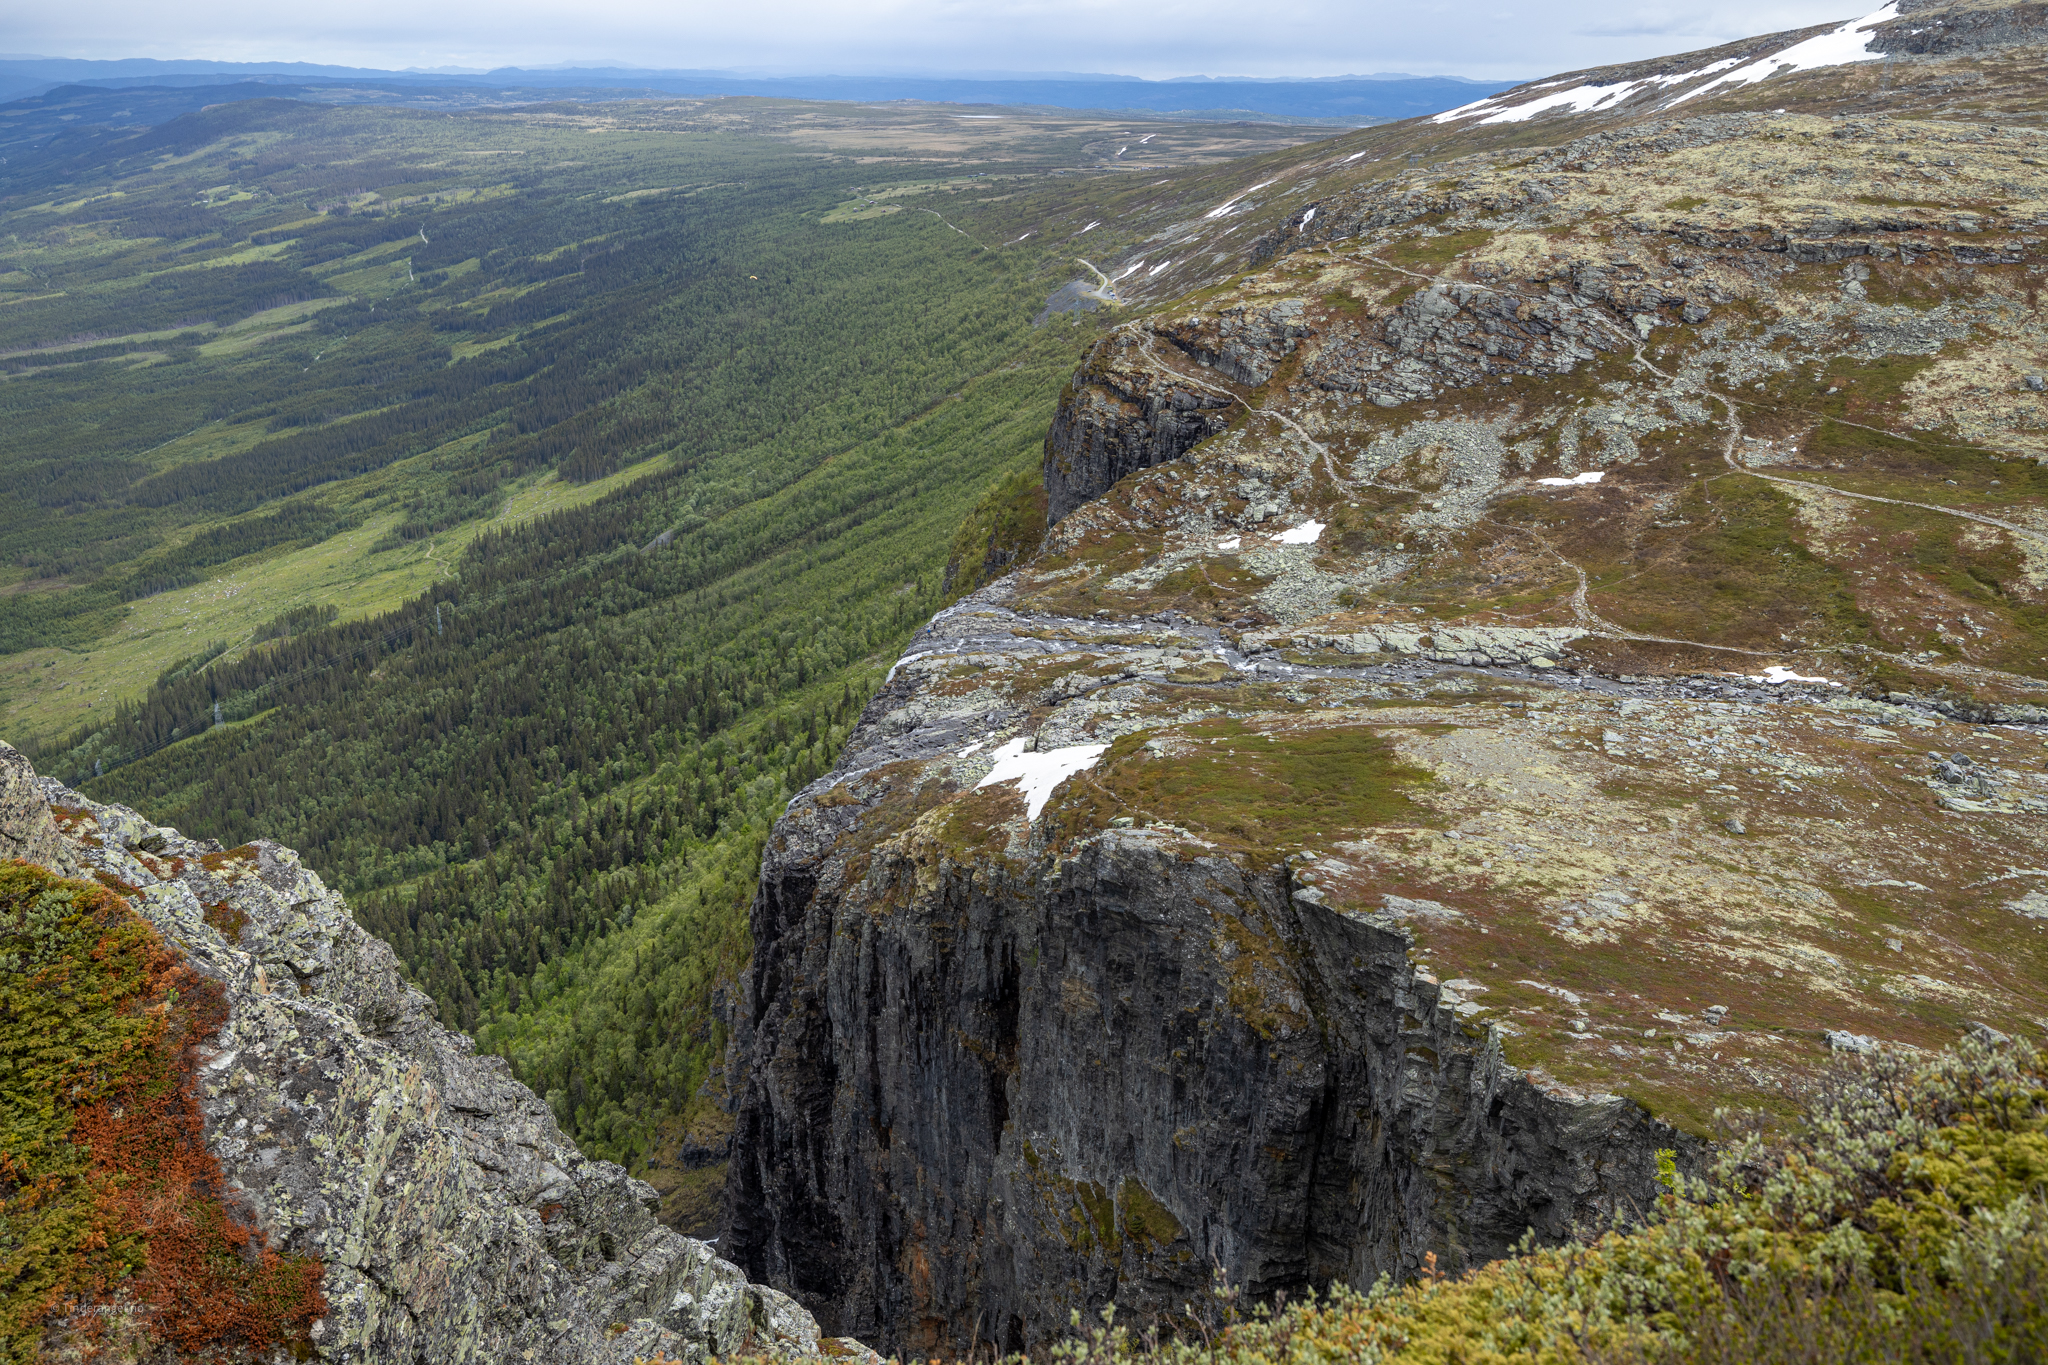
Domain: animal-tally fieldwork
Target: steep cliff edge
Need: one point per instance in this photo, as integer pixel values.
(1552, 649)
(1003, 1067)
(453, 1219)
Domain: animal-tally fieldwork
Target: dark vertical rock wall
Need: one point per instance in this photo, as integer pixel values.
(1120, 415)
(986, 1089)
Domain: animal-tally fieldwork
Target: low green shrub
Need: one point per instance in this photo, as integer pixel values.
(1904, 1220)
(115, 1235)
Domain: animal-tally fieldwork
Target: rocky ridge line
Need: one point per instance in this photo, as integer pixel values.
(456, 1222)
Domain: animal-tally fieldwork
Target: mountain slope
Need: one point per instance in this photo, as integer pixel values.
(519, 594)
(1551, 650)
(1381, 813)
(440, 1213)
(1967, 61)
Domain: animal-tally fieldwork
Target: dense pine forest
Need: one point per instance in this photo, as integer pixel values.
(510, 772)
(508, 512)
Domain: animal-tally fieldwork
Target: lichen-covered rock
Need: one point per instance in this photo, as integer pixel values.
(26, 830)
(1447, 644)
(455, 1220)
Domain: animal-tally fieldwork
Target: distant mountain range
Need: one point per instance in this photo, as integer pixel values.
(1347, 100)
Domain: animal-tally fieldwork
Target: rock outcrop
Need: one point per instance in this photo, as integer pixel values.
(454, 1220)
(1121, 415)
(1001, 1068)
(1940, 28)
(26, 830)
(1488, 661)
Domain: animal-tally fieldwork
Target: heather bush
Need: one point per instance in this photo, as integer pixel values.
(114, 1232)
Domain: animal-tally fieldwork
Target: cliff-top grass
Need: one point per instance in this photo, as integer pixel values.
(1253, 791)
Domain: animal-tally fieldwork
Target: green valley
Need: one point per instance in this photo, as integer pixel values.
(512, 510)
(1421, 745)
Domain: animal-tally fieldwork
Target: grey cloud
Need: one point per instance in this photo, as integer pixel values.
(1647, 26)
(1138, 37)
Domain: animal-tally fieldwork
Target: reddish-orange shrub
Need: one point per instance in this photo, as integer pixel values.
(105, 1178)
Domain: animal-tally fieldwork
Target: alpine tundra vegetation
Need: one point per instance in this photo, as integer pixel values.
(1429, 745)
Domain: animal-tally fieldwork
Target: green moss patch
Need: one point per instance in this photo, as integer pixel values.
(1095, 1221)
(1427, 253)
(1737, 574)
(1148, 1223)
(1255, 795)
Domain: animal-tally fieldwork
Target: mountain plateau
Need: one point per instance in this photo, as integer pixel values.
(1523, 652)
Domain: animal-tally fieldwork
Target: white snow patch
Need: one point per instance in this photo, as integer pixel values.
(1129, 269)
(906, 659)
(1354, 156)
(1231, 544)
(1590, 476)
(1463, 110)
(1157, 268)
(1305, 534)
(1091, 227)
(1838, 47)
(1685, 76)
(1778, 674)
(1308, 217)
(1578, 99)
(972, 747)
(1225, 206)
(1037, 774)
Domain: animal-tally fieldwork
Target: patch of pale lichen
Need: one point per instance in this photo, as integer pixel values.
(1600, 901)
(1830, 359)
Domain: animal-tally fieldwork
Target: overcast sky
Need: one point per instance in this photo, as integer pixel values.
(1485, 39)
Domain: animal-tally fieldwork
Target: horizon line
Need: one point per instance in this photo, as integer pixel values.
(228, 66)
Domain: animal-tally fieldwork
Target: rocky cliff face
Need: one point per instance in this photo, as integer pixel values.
(1551, 650)
(1118, 418)
(454, 1220)
(1003, 1067)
